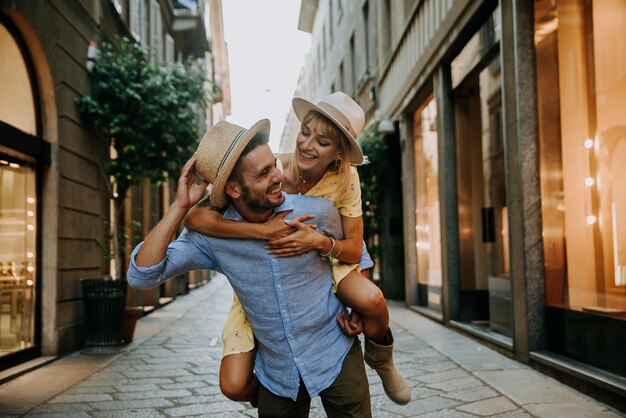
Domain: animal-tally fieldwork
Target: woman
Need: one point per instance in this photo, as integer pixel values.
(322, 164)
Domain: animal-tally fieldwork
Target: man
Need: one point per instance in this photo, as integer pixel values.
(301, 351)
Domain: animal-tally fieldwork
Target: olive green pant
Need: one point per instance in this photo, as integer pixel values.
(348, 396)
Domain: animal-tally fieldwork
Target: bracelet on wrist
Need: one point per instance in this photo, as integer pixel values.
(340, 249)
(332, 246)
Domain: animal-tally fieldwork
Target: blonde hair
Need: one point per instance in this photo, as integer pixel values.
(329, 130)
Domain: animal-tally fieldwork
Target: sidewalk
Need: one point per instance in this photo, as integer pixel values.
(171, 370)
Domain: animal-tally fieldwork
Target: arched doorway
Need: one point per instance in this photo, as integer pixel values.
(21, 151)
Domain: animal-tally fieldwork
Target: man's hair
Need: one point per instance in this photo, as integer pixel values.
(258, 139)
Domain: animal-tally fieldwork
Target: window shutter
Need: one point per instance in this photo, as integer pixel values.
(156, 43)
(134, 19)
(169, 48)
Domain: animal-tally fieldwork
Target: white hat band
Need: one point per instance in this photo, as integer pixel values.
(338, 116)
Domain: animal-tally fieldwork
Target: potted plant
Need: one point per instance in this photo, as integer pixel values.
(148, 116)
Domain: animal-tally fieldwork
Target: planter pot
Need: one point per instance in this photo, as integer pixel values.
(104, 302)
(131, 315)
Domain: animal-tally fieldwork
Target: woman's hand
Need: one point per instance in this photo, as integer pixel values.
(278, 227)
(304, 239)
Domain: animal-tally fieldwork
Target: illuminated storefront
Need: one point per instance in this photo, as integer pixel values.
(581, 77)
(513, 126)
(19, 149)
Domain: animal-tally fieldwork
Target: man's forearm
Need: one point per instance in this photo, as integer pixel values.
(155, 245)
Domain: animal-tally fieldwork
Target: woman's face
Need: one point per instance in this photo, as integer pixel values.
(315, 149)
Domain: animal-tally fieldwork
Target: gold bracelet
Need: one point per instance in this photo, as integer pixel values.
(332, 246)
(340, 249)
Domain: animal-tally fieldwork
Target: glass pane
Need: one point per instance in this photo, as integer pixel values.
(18, 230)
(581, 74)
(482, 211)
(427, 226)
(17, 106)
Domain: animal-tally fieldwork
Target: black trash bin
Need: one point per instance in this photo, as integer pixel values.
(104, 302)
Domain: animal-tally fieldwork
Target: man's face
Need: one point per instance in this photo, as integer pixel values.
(260, 180)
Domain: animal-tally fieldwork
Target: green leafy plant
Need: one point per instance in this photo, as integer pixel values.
(147, 113)
(373, 178)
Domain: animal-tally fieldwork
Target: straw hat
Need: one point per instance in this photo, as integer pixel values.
(344, 112)
(219, 151)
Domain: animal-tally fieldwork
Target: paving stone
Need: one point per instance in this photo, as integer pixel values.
(204, 408)
(571, 410)
(14, 410)
(129, 387)
(472, 394)
(60, 415)
(188, 400)
(440, 366)
(156, 373)
(90, 389)
(421, 406)
(456, 384)
(132, 404)
(84, 397)
(452, 413)
(518, 413)
(489, 406)
(197, 377)
(161, 366)
(153, 394)
(208, 390)
(442, 376)
(194, 384)
(529, 387)
(131, 413)
(60, 408)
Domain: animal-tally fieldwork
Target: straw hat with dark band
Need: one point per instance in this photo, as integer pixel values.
(344, 112)
(219, 151)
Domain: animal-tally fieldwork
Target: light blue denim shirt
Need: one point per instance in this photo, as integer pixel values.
(288, 300)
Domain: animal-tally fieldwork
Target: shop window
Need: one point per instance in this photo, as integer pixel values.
(18, 199)
(581, 89)
(427, 218)
(485, 294)
(18, 229)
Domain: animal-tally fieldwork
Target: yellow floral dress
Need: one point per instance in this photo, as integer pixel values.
(237, 333)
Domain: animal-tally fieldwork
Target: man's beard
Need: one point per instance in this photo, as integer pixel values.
(256, 204)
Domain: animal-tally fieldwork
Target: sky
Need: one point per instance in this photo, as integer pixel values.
(265, 52)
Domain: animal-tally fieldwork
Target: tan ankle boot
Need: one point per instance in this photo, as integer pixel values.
(380, 358)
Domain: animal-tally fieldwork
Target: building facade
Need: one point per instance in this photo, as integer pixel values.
(509, 119)
(54, 203)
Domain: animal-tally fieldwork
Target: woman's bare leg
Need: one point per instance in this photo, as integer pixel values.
(363, 296)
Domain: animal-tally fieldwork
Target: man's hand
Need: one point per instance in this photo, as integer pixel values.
(352, 325)
(188, 193)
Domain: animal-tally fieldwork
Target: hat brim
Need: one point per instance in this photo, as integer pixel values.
(301, 107)
(218, 198)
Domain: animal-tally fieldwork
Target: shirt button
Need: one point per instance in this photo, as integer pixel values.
(282, 310)
(289, 335)
(278, 286)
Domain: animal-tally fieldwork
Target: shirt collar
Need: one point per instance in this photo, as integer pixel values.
(232, 214)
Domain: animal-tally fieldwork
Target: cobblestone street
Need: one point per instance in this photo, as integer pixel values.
(171, 370)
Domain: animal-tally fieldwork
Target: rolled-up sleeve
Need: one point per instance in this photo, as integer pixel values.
(182, 256)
